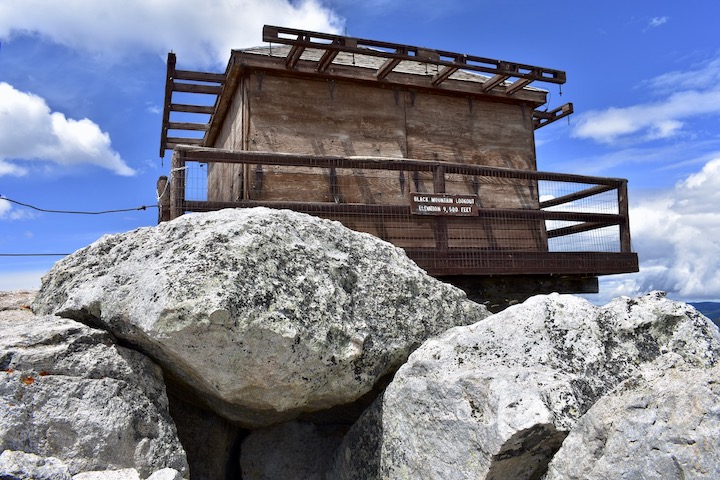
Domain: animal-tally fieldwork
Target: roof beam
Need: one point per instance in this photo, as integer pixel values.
(517, 85)
(540, 119)
(387, 67)
(326, 60)
(443, 75)
(332, 44)
(493, 82)
(294, 55)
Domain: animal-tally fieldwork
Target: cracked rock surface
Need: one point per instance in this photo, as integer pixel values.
(496, 399)
(73, 401)
(264, 313)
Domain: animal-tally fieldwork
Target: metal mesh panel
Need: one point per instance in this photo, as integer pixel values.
(518, 222)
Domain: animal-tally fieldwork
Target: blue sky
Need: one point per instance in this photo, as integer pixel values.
(82, 84)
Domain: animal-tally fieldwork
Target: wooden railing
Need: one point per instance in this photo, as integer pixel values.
(549, 212)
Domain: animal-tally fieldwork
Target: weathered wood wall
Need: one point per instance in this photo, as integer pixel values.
(333, 117)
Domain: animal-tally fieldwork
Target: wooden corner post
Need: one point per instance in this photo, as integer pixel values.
(177, 184)
(624, 211)
(163, 196)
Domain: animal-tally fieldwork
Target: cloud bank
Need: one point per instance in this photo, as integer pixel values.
(677, 237)
(201, 33)
(683, 96)
(29, 130)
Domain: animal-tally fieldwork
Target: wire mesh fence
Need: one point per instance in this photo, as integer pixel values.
(450, 218)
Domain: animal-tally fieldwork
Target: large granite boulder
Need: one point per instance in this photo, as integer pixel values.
(661, 424)
(496, 399)
(265, 313)
(28, 466)
(72, 401)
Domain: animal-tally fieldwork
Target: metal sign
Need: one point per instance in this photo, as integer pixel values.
(443, 204)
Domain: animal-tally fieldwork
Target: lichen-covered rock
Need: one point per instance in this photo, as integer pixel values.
(358, 456)
(123, 474)
(291, 451)
(661, 424)
(211, 443)
(67, 391)
(128, 474)
(495, 400)
(27, 466)
(266, 313)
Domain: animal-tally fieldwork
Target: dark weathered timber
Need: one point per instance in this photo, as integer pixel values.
(580, 228)
(523, 263)
(588, 192)
(187, 81)
(365, 125)
(163, 196)
(625, 243)
(387, 67)
(540, 118)
(196, 88)
(199, 76)
(499, 292)
(204, 155)
(180, 107)
(248, 61)
(170, 72)
(443, 75)
(308, 39)
(178, 141)
(187, 126)
(402, 210)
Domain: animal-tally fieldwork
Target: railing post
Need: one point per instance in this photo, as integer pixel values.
(440, 228)
(624, 212)
(439, 179)
(177, 184)
(163, 196)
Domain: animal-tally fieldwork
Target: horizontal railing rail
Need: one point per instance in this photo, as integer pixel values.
(565, 210)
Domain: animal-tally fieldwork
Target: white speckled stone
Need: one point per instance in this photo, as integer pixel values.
(67, 391)
(265, 313)
(495, 400)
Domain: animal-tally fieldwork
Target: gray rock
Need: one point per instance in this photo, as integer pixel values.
(67, 391)
(27, 466)
(211, 443)
(358, 456)
(659, 425)
(166, 474)
(123, 474)
(266, 313)
(19, 299)
(496, 399)
(128, 474)
(291, 451)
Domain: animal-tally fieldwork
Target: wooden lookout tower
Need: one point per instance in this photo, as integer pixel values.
(433, 151)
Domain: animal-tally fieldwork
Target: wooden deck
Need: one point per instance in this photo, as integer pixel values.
(486, 242)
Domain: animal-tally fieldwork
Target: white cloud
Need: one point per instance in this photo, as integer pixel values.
(201, 33)
(25, 280)
(7, 168)
(677, 237)
(685, 95)
(657, 21)
(5, 207)
(650, 120)
(30, 131)
(7, 212)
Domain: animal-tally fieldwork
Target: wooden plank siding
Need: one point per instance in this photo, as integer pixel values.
(280, 113)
